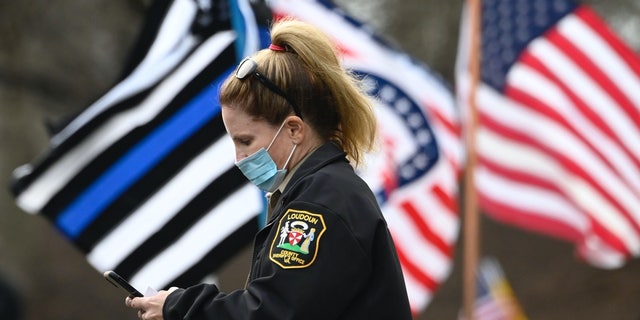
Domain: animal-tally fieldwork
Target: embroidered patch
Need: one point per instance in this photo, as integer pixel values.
(296, 244)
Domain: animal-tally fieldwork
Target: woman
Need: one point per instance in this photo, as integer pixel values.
(297, 119)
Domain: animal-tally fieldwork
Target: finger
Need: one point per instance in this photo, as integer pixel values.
(132, 302)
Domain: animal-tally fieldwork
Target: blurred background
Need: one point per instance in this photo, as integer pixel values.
(57, 57)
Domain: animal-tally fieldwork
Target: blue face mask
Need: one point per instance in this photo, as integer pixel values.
(261, 170)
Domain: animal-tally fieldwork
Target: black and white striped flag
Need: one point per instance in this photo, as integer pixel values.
(144, 177)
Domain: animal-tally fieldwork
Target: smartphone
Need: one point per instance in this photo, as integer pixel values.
(120, 282)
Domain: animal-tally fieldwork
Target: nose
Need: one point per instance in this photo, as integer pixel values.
(240, 155)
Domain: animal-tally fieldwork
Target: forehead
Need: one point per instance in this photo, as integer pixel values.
(237, 121)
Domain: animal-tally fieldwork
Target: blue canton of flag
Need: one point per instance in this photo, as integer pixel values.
(508, 28)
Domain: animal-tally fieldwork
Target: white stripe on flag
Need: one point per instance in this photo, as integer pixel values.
(419, 296)
(588, 90)
(528, 80)
(440, 219)
(162, 206)
(592, 45)
(176, 26)
(172, 44)
(420, 252)
(213, 228)
(34, 198)
(555, 137)
(517, 157)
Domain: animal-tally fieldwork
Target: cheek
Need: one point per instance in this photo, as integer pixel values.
(243, 151)
(279, 155)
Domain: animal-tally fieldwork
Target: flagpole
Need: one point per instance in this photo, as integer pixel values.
(471, 212)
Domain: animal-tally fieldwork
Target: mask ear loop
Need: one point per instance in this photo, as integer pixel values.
(276, 135)
(289, 158)
(274, 139)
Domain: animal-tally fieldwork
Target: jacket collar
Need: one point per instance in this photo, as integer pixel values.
(322, 156)
(325, 154)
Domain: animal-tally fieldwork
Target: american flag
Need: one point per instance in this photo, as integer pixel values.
(495, 299)
(415, 174)
(559, 126)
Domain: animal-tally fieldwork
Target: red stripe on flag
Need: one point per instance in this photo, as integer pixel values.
(528, 219)
(446, 200)
(582, 107)
(567, 163)
(535, 181)
(594, 72)
(612, 239)
(528, 59)
(511, 215)
(452, 127)
(416, 272)
(425, 230)
(535, 105)
(521, 177)
(600, 27)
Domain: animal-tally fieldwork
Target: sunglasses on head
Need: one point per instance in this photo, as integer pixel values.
(249, 67)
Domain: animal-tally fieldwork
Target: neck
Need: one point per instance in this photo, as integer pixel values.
(303, 150)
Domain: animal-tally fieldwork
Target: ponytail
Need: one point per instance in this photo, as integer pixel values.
(303, 62)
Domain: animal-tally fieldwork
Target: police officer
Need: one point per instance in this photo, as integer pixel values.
(299, 123)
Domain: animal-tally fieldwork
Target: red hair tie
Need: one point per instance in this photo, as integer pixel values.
(276, 47)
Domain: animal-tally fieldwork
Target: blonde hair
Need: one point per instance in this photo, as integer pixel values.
(330, 98)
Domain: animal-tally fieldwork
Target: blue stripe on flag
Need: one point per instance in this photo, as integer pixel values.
(88, 206)
(238, 23)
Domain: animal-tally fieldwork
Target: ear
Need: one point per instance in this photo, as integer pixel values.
(295, 129)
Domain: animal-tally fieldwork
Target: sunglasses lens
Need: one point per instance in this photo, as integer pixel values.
(246, 67)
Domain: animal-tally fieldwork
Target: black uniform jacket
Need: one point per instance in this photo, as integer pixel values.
(325, 253)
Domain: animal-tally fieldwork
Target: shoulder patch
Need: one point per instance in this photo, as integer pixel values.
(297, 242)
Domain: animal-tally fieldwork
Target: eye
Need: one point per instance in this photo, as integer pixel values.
(244, 141)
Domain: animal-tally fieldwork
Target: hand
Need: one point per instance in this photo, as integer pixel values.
(149, 308)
